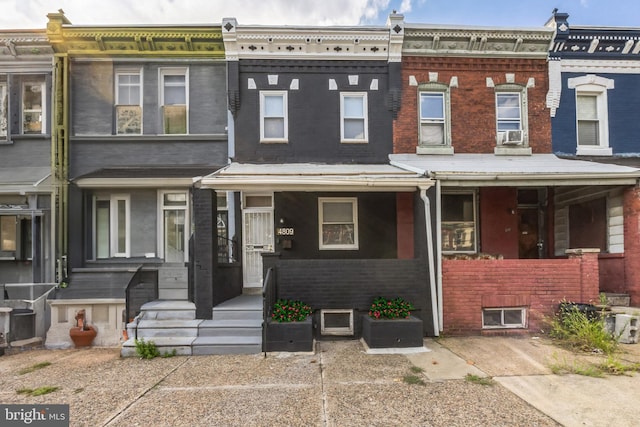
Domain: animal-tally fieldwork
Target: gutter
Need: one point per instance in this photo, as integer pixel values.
(432, 278)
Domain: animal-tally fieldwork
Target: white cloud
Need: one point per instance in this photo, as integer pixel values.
(32, 13)
(405, 6)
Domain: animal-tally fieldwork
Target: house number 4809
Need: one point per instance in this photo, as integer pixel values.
(285, 231)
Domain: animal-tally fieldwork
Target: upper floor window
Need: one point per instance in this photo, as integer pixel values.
(592, 122)
(434, 112)
(458, 222)
(129, 102)
(273, 116)
(338, 222)
(174, 100)
(3, 111)
(354, 117)
(509, 118)
(33, 108)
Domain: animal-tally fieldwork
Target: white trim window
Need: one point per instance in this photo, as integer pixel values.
(174, 100)
(112, 226)
(336, 322)
(509, 113)
(592, 116)
(503, 318)
(433, 119)
(273, 116)
(458, 223)
(33, 108)
(128, 102)
(3, 111)
(338, 223)
(174, 223)
(354, 122)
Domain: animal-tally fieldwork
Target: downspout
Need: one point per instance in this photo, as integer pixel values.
(432, 278)
(439, 250)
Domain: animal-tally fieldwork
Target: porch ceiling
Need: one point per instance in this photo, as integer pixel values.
(486, 170)
(314, 177)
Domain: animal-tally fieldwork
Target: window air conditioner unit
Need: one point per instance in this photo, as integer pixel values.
(511, 137)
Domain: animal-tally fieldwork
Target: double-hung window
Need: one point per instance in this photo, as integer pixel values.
(33, 108)
(3, 110)
(273, 116)
(354, 117)
(509, 118)
(432, 118)
(458, 213)
(338, 223)
(129, 102)
(112, 226)
(174, 100)
(592, 120)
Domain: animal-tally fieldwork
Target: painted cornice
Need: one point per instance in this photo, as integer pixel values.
(141, 41)
(597, 43)
(313, 43)
(437, 40)
(24, 46)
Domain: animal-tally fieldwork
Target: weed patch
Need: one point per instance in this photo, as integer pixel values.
(475, 379)
(34, 368)
(37, 391)
(581, 330)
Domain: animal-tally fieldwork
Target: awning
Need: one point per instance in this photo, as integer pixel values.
(482, 170)
(143, 177)
(25, 180)
(313, 177)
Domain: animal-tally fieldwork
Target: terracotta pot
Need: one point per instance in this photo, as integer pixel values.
(82, 337)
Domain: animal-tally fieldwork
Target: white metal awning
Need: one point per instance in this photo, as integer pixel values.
(313, 177)
(484, 170)
(25, 180)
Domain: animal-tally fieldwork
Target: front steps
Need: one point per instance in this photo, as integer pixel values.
(235, 328)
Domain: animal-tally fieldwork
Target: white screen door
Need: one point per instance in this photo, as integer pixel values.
(257, 236)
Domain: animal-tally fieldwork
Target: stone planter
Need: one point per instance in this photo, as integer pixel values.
(289, 336)
(396, 333)
(82, 337)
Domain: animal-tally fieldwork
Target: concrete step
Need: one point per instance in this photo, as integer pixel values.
(165, 345)
(620, 300)
(167, 328)
(241, 328)
(168, 309)
(239, 308)
(227, 345)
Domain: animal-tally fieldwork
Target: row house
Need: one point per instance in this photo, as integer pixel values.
(139, 112)
(324, 216)
(512, 237)
(26, 253)
(594, 79)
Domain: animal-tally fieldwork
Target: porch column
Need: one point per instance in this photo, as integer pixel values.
(203, 251)
(632, 244)
(589, 272)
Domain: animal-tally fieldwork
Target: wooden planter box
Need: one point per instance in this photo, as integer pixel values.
(396, 333)
(289, 336)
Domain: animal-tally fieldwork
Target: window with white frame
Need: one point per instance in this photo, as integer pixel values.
(128, 102)
(174, 222)
(112, 226)
(509, 117)
(501, 318)
(3, 111)
(458, 222)
(338, 223)
(273, 116)
(592, 117)
(33, 108)
(174, 100)
(434, 112)
(354, 117)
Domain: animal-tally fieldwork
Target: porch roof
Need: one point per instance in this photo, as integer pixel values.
(143, 176)
(485, 170)
(314, 177)
(26, 180)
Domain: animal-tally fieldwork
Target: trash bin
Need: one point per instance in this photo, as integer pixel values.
(589, 310)
(22, 324)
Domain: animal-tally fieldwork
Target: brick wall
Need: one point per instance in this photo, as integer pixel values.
(540, 285)
(473, 119)
(632, 244)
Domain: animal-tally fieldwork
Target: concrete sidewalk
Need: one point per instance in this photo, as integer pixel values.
(338, 385)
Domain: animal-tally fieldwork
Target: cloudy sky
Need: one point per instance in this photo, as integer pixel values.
(15, 14)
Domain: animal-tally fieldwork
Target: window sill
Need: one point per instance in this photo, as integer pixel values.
(512, 151)
(274, 141)
(354, 141)
(435, 149)
(594, 151)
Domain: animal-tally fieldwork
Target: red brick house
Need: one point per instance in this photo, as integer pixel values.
(513, 220)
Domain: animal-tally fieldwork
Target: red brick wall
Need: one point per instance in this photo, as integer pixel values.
(473, 119)
(539, 285)
(404, 203)
(632, 244)
(612, 273)
(498, 226)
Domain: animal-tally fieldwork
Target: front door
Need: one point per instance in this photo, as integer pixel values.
(257, 235)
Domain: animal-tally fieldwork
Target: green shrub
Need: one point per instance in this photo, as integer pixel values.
(383, 308)
(146, 349)
(285, 310)
(582, 330)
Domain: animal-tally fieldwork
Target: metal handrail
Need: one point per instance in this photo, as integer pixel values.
(268, 299)
(136, 279)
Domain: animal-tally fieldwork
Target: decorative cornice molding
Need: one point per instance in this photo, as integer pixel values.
(422, 40)
(25, 45)
(602, 66)
(162, 41)
(327, 43)
(596, 43)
